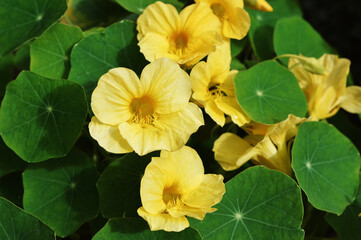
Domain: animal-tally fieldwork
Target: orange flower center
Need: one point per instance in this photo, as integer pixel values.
(143, 111)
(218, 10)
(179, 42)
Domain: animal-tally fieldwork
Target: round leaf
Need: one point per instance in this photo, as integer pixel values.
(259, 203)
(296, 36)
(132, 228)
(22, 20)
(119, 186)
(268, 93)
(326, 165)
(50, 53)
(98, 53)
(261, 30)
(138, 6)
(348, 225)
(17, 224)
(62, 192)
(46, 116)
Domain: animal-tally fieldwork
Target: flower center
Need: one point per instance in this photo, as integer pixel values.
(215, 91)
(143, 111)
(179, 42)
(172, 200)
(218, 10)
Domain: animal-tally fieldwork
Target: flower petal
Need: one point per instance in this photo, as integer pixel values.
(337, 69)
(154, 46)
(112, 97)
(184, 210)
(230, 106)
(215, 113)
(228, 149)
(237, 24)
(167, 84)
(170, 131)
(207, 194)
(158, 18)
(219, 62)
(200, 77)
(351, 100)
(164, 221)
(108, 137)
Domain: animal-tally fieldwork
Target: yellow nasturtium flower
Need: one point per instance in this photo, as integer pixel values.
(153, 113)
(327, 93)
(261, 5)
(271, 150)
(174, 186)
(212, 83)
(235, 20)
(185, 38)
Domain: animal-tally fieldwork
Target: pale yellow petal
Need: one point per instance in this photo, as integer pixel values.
(215, 113)
(304, 77)
(169, 132)
(168, 85)
(108, 137)
(207, 194)
(337, 77)
(158, 18)
(112, 97)
(184, 210)
(154, 46)
(255, 128)
(230, 106)
(200, 78)
(351, 100)
(237, 24)
(260, 5)
(228, 148)
(228, 84)
(164, 221)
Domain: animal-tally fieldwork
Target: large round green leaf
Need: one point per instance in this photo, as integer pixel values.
(41, 118)
(50, 53)
(258, 204)
(138, 6)
(296, 36)
(62, 192)
(22, 20)
(16, 224)
(348, 225)
(9, 161)
(261, 30)
(326, 165)
(119, 186)
(98, 53)
(134, 229)
(268, 93)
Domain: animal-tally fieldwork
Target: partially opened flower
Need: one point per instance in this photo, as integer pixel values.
(185, 38)
(212, 83)
(327, 93)
(144, 115)
(174, 186)
(271, 150)
(261, 5)
(235, 20)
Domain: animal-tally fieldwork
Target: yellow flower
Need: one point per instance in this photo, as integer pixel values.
(235, 20)
(261, 5)
(212, 83)
(144, 115)
(327, 93)
(174, 186)
(185, 38)
(271, 150)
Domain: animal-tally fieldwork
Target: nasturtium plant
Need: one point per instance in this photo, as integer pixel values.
(176, 119)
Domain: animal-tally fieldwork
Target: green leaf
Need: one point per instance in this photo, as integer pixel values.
(7, 66)
(259, 203)
(348, 225)
(268, 92)
(237, 46)
(138, 6)
(9, 161)
(22, 20)
(62, 192)
(261, 30)
(98, 53)
(50, 53)
(46, 116)
(11, 188)
(119, 186)
(326, 165)
(296, 36)
(132, 228)
(17, 224)
(22, 57)
(237, 65)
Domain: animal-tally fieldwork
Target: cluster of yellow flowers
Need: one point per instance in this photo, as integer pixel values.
(154, 112)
